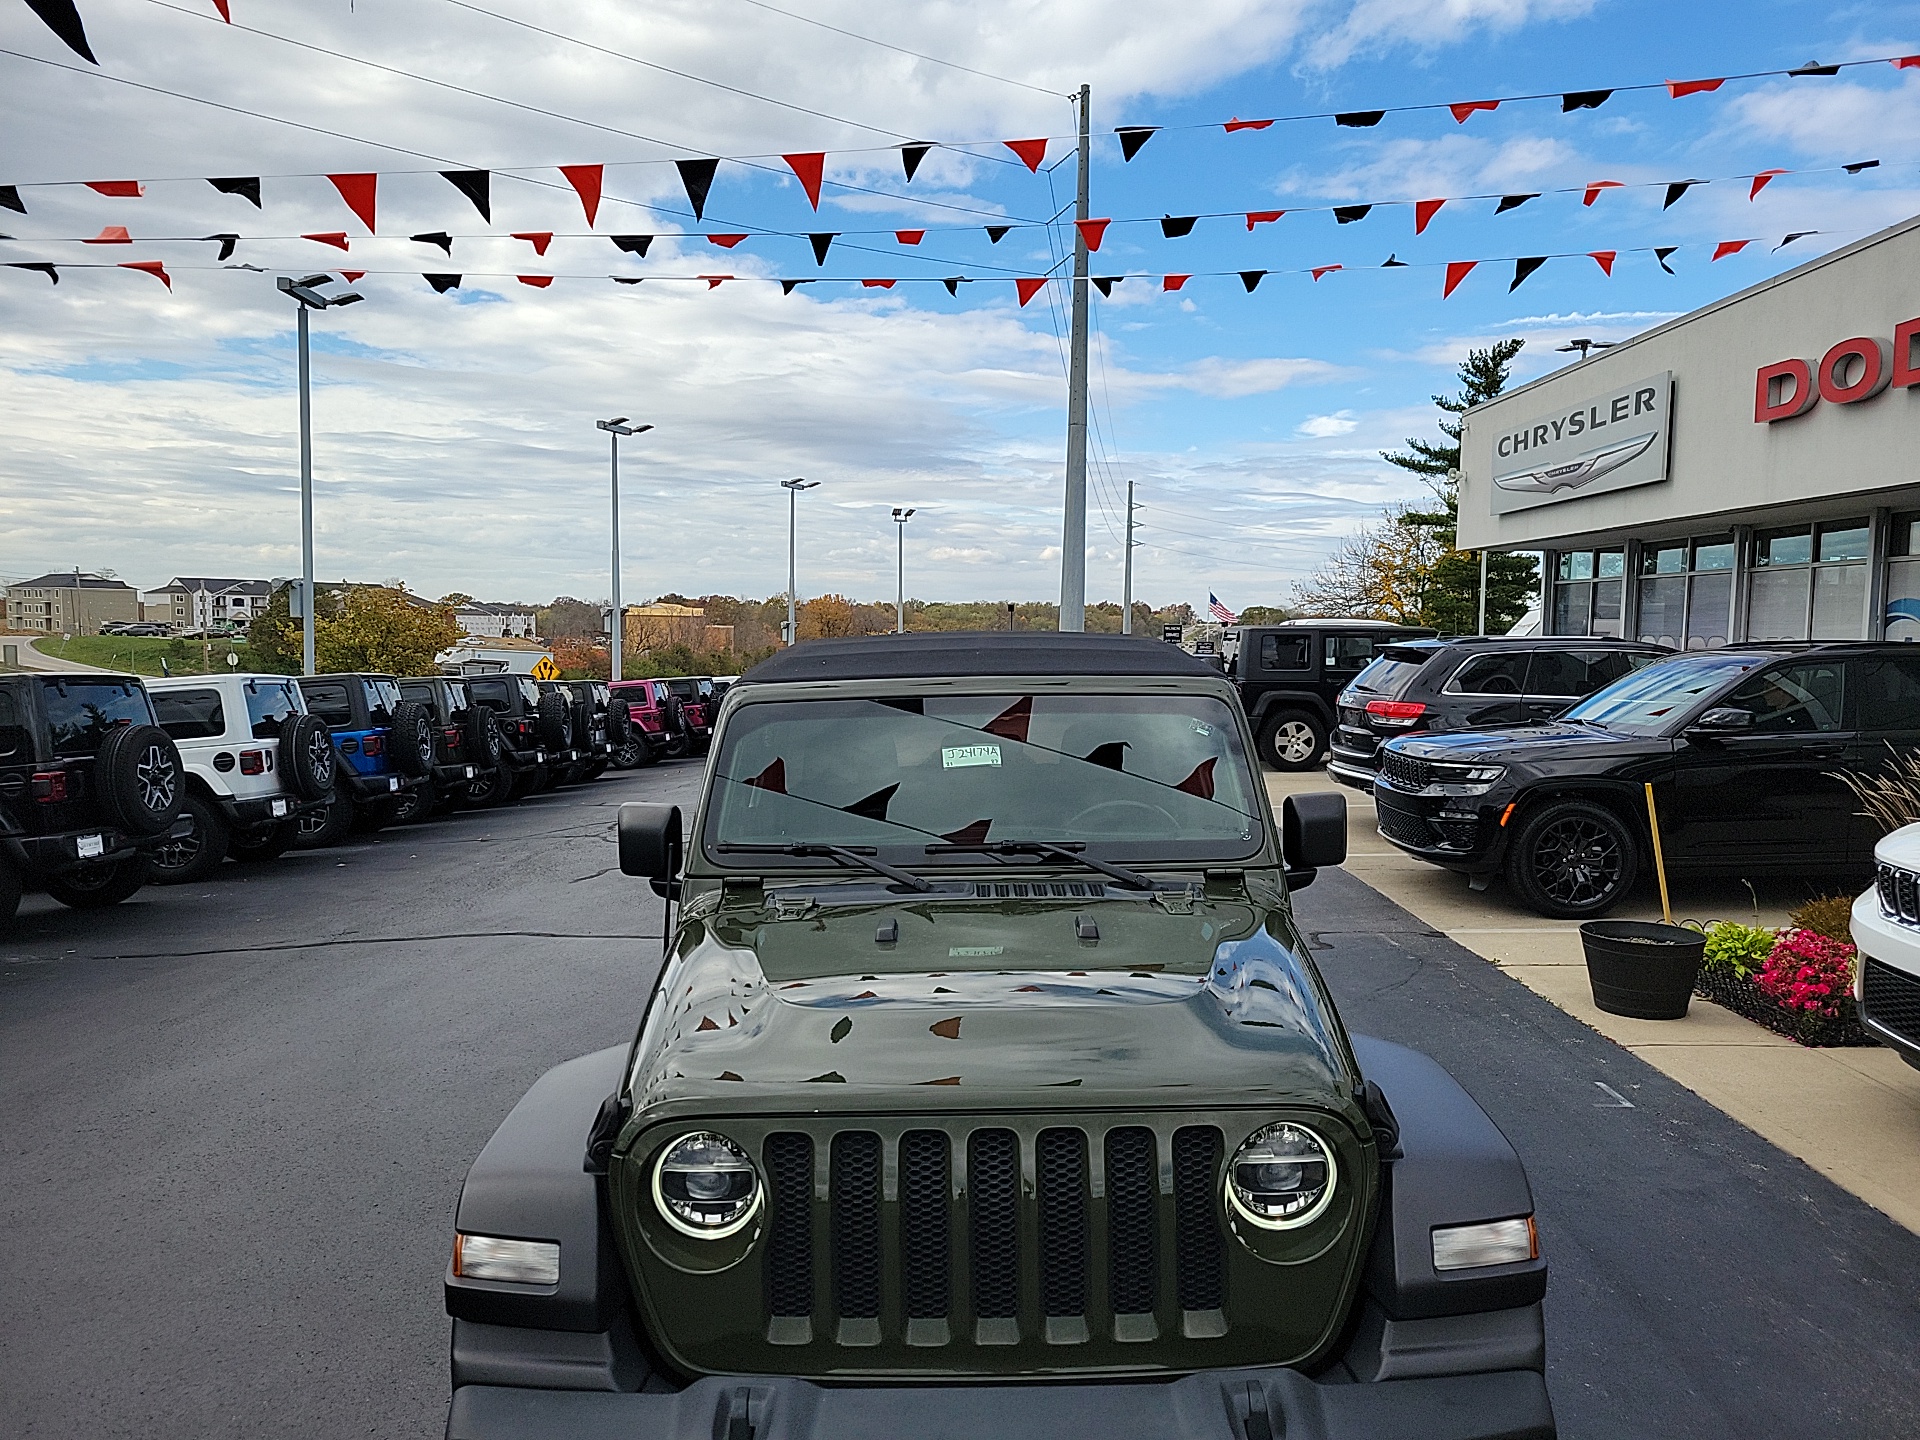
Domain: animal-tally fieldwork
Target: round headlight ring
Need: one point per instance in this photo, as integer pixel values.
(1286, 1144)
(706, 1186)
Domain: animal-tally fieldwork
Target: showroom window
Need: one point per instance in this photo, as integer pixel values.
(1587, 592)
(1809, 582)
(1903, 579)
(1686, 592)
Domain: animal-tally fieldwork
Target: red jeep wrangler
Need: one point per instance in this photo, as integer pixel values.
(660, 730)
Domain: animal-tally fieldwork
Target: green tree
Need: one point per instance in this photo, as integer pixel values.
(383, 628)
(1449, 591)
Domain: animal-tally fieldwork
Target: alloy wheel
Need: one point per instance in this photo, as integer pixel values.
(1577, 861)
(1294, 741)
(157, 779)
(320, 759)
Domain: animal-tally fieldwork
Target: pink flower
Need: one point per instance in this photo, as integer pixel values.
(1807, 972)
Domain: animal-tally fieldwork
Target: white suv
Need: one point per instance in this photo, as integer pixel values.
(255, 760)
(1886, 927)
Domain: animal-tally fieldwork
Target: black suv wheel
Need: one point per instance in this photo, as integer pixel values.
(94, 887)
(554, 720)
(411, 740)
(321, 828)
(140, 779)
(197, 854)
(1572, 860)
(1292, 740)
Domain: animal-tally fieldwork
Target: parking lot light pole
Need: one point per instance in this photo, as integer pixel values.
(900, 518)
(615, 428)
(793, 488)
(307, 297)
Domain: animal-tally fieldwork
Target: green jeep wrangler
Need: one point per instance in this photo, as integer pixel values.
(987, 1088)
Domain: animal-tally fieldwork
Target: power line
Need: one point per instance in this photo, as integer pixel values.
(901, 49)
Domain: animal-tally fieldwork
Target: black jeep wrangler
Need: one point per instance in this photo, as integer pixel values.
(467, 746)
(1290, 677)
(538, 729)
(89, 786)
(385, 749)
(593, 726)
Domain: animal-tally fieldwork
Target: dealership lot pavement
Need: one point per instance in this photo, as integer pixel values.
(237, 1116)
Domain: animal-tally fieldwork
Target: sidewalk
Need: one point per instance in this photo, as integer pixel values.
(1853, 1115)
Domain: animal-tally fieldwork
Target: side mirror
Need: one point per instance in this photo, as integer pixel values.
(1722, 720)
(1313, 834)
(651, 845)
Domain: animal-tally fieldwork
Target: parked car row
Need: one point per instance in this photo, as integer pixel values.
(108, 782)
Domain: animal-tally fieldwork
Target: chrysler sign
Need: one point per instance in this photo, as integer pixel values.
(1611, 442)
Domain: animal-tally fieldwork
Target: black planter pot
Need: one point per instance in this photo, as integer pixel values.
(1641, 968)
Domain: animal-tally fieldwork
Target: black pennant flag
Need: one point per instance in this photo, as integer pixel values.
(1132, 137)
(910, 158)
(1513, 202)
(697, 176)
(1107, 282)
(1174, 226)
(435, 237)
(10, 199)
(477, 186)
(39, 266)
(820, 244)
(1251, 279)
(1814, 67)
(632, 244)
(227, 242)
(626, 279)
(787, 286)
(1853, 169)
(1660, 253)
(1393, 262)
(874, 806)
(954, 282)
(1347, 214)
(442, 283)
(1677, 189)
(997, 233)
(1360, 119)
(247, 187)
(64, 20)
(1796, 235)
(1583, 100)
(1523, 268)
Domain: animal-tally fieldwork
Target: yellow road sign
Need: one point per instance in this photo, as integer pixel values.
(545, 669)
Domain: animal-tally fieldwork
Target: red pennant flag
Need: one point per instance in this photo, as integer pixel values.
(111, 235)
(1729, 247)
(1907, 62)
(150, 267)
(358, 192)
(351, 275)
(1760, 181)
(1173, 282)
(1467, 107)
(1031, 152)
(1029, 288)
(1604, 258)
(1593, 190)
(1457, 270)
(225, 14)
(539, 239)
(714, 282)
(123, 189)
(807, 169)
(335, 238)
(877, 284)
(909, 237)
(1262, 217)
(1677, 88)
(1238, 124)
(1423, 213)
(539, 282)
(725, 242)
(1092, 231)
(1320, 270)
(585, 180)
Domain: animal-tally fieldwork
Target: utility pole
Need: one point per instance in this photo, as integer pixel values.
(1483, 592)
(900, 518)
(1126, 599)
(1073, 530)
(616, 627)
(793, 488)
(306, 296)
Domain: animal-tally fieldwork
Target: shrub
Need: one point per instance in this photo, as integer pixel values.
(1742, 949)
(1828, 915)
(1808, 973)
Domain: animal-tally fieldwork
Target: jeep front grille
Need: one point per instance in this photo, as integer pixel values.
(1404, 772)
(1899, 893)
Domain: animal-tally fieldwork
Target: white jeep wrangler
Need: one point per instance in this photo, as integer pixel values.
(255, 760)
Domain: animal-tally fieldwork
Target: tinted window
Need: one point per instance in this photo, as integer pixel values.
(1349, 652)
(457, 695)
(268, 706)
(190, 714)
(1801, 698)
(1392, 672)
(1654, 700)
(1501, 673)
(421, 693)
(1889, 692)
(494, 694)
(530, 691)
(80, 713)
(15, 743)
(383, 698)
(328, 700)
(1284, 652)
(1575, 673)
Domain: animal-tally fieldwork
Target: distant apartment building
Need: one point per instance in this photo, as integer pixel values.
(495, 622)
(199, 602)
(72, 602)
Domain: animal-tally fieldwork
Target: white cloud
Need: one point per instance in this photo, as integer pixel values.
(1378, 25)
(1325, 427)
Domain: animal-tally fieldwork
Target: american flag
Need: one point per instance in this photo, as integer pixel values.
(1217, 610)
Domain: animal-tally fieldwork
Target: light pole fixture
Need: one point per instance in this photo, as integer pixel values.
(615, 428)
(1583, 345)
(307, 297)
(900, 518)
(793, 488)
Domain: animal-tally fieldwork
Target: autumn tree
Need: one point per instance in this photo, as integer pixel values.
(1382, 573)
(384, 629)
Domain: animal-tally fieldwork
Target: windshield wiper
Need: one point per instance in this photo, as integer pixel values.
(857, 854)
(1132, 879)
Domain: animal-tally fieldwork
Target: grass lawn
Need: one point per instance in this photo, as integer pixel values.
(143, 654)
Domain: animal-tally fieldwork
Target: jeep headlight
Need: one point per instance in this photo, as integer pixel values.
(705, 1186)
(1465, 779)
(1282, 1177)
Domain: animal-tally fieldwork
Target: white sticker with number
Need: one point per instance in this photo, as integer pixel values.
(958, 757)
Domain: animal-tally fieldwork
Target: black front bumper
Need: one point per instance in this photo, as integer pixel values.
(1459, 833)
(1263, 1404)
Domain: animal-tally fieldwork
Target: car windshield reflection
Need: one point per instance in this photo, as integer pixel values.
(1654, 700)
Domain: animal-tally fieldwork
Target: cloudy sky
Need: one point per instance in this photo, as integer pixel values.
(153, 431)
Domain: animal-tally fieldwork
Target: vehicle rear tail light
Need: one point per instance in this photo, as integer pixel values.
(50, 786)
(1397, 713)
(1497, 1242)
(253, 762)
(373, 745)
(522, 1262)
(451, 732)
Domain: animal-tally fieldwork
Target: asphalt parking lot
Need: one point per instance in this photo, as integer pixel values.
(237, 1116)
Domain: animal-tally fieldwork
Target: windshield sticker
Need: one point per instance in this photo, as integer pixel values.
(959, 757)
(1201, 729)
(974, 952)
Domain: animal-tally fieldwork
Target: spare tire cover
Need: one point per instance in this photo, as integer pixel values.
(306, 756)
(483, 736)
(619, 722)
(411, 741)
(140, 779)
(555, 717)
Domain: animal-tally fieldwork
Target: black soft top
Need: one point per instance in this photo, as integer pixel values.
(975, 652)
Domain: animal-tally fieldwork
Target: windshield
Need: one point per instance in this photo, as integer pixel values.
(383, 698)
(81, 712)
(1156, 777)
(268, 706)
(1654, 700)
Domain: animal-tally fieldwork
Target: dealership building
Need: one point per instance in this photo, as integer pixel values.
(1749, 471)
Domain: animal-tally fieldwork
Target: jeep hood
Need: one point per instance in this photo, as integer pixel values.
(1531, 744)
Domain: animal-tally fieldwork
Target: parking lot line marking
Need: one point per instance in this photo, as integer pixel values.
(1619, 1102)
